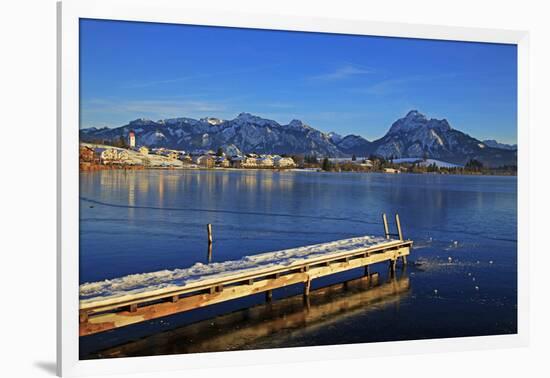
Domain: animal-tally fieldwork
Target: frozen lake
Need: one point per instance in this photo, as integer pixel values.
(462, 275)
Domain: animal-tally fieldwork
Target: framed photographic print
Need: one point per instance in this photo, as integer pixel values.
(286, 188)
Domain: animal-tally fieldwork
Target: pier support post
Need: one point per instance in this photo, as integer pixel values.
(307, 287)
(386, 228)
(398, 224)
(306, 302)
(367, 270)
(393, 263)
(268, 296)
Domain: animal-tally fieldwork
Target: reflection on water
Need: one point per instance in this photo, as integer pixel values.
(158, 217)
(462, 270)
(242, 329)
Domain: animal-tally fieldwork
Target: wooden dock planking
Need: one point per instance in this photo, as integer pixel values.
(99, 316)
(113, 303)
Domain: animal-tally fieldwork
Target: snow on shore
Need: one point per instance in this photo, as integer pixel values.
(138, 283)
(425, 163)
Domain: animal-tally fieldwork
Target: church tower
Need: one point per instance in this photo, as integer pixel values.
(132, 139)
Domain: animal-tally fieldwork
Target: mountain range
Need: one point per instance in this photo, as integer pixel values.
(414, 135)
(493, 143)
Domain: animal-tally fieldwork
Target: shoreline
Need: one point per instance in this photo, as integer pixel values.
(102, 167)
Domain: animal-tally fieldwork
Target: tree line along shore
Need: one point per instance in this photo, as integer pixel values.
(102, 157)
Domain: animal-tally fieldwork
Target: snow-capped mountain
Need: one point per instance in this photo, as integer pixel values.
(417, 136)
(334, 137)
(494, 144)
(411, 136)
(246, 133)
(354, 145)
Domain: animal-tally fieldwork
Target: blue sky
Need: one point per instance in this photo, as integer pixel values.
(348, 84)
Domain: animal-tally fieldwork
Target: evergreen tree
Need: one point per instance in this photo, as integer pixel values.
(121, 142)
(314, 159)
(474, 165)
(311, 159)
(326, 165)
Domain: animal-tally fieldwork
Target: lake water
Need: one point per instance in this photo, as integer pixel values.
(461, 279)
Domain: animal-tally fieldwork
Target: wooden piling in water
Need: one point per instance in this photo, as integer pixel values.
(307, 287)
(400, 233)
(386, 228)
(209, 230)
(209, 233)
(367, 270)
(209, 253)
(398, 224)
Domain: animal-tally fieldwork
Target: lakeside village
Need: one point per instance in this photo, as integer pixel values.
(126, 155)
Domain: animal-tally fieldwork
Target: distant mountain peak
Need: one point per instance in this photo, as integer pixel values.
(247, 117)
(354, 145)
(415, 120)
(334, 137)
(503, 146)
(414, 114)
(296, 123)
(212, 120)
(140, 121)
(416, 136)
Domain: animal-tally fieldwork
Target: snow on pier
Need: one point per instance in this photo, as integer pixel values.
(143, 282)
(136, 298)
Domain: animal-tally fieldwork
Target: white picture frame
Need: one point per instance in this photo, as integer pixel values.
(167, 11)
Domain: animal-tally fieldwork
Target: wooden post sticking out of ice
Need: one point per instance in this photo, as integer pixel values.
(209, 231)
(386, 228)
(398, 224)
(400, 233)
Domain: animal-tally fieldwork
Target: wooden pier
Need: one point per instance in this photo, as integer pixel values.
(102, 314)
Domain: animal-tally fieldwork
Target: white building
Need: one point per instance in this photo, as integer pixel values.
(132, 139)
(283, 162)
